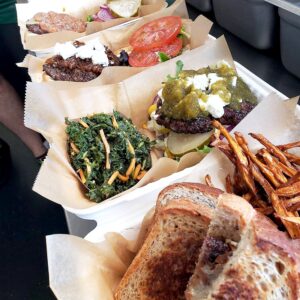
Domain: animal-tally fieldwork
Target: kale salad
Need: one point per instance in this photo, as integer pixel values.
(108, 152)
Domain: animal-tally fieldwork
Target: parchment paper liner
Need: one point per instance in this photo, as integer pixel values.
(82, 9)
(116, 40)
(79, 269)
(46, 108)
(74, 263)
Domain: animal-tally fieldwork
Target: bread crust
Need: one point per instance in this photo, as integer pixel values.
(266, 232)
(191, 186)
(178, 207)
(202, 188)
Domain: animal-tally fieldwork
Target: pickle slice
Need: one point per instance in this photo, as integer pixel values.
(180, 143)
(124, 8)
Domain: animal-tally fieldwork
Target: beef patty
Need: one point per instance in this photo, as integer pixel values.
(54, 22)
(202, 124)
(35, 28)
(75, 68)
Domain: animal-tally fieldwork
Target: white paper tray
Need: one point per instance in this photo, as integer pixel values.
(128, 210)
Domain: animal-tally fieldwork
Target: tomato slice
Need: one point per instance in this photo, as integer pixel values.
(156, 33)
(149, 58)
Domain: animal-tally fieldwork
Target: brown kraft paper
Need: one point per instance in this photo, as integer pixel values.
(79, 269)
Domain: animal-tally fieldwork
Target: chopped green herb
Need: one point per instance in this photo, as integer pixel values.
(204, 150)
(163, 56)
(89, 18)
(179, 67)
(92, 155)
(183, 33)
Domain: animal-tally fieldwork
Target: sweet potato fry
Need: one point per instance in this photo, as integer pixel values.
(292, 158)
(272, 170)
(292, 180)
(295, 220)
(289, 146)
(229, 187)
(272, 148)
(240, 187)
(245, 171)
(263, 168)
(208, 180)
(242, 161)
(261, 179)
(215, 138)
(289, 191)
(123, 178)
(287, 170)
(234, 145)
(269, 210)
(259, 203)
(292, 204)
(272, 165)
(282, 213)
(277, 166)
(248, 196)
(225, 148)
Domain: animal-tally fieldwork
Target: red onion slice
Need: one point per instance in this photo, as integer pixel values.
(104, 14)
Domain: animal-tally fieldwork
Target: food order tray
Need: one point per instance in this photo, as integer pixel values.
(127, 211)
(91, 268)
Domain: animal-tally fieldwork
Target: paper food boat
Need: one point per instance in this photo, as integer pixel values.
(116, 40)
(81, 9)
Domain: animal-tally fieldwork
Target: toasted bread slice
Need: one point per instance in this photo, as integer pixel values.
(195, 192)
(264, 266)
(229, 222)
(255, 262)
(167, 259)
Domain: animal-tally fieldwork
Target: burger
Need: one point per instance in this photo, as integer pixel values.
(81, 62)
(183, 110)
